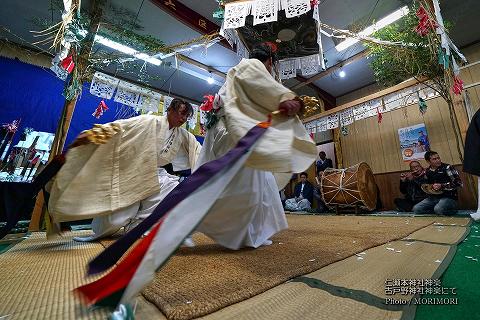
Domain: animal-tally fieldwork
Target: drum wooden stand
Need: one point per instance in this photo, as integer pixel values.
(353, 187)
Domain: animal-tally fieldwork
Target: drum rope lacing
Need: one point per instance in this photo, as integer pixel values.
(342, 187)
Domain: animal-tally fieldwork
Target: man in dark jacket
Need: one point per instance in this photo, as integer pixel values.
(411, 187)
(303, 195)
(444, 180)
(323, 163)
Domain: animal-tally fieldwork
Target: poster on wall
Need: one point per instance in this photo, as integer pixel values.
(414, 142)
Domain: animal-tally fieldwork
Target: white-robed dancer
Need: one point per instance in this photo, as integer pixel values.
(471, 162)
(234, 199)
(119, 181)
(250, 211)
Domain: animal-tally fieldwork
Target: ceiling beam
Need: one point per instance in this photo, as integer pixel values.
(189, 17)
(331, 70)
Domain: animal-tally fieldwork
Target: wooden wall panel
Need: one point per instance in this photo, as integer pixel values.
(362, 142)
(399, 121)
(450, 133)
(437, 129)
(377, 156)
(349, 148)
(389, 140)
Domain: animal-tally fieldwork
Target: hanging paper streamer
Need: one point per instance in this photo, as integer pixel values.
(59, 71)
(295, 8)
(148, 100)
(264, 11)
(166, 103)
(242, 51)
(102, 107)
(230, 35)
(322, 125)
(103, 85)
(346, 117)
(192, 121)
(443, 58)
(235, 14)
(127, 94)
(422, 105)
(314, 127)
(332, 121)
(309, 65)
(344, 131)
(379, 115)
(288, 69)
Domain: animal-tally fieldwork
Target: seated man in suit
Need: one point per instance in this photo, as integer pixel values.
(323, 163)
(303, 195)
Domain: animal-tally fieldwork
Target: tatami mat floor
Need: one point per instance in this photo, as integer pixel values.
(38, 276)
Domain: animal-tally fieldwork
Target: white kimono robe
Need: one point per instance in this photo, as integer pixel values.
(122, 175)
(249, 211)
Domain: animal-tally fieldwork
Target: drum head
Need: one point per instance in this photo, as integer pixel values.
(367, 186)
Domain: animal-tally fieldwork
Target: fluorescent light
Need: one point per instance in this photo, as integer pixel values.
(127, 50)
(199, 75)
(210, 80)
(342, 74)
(391, 18)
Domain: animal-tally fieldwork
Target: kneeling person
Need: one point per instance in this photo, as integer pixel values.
(120, 180)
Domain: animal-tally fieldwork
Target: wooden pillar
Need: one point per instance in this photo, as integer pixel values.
(69, 106)
(337, 132)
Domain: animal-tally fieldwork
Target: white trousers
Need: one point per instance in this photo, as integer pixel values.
(294, 205)
(131, 216)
